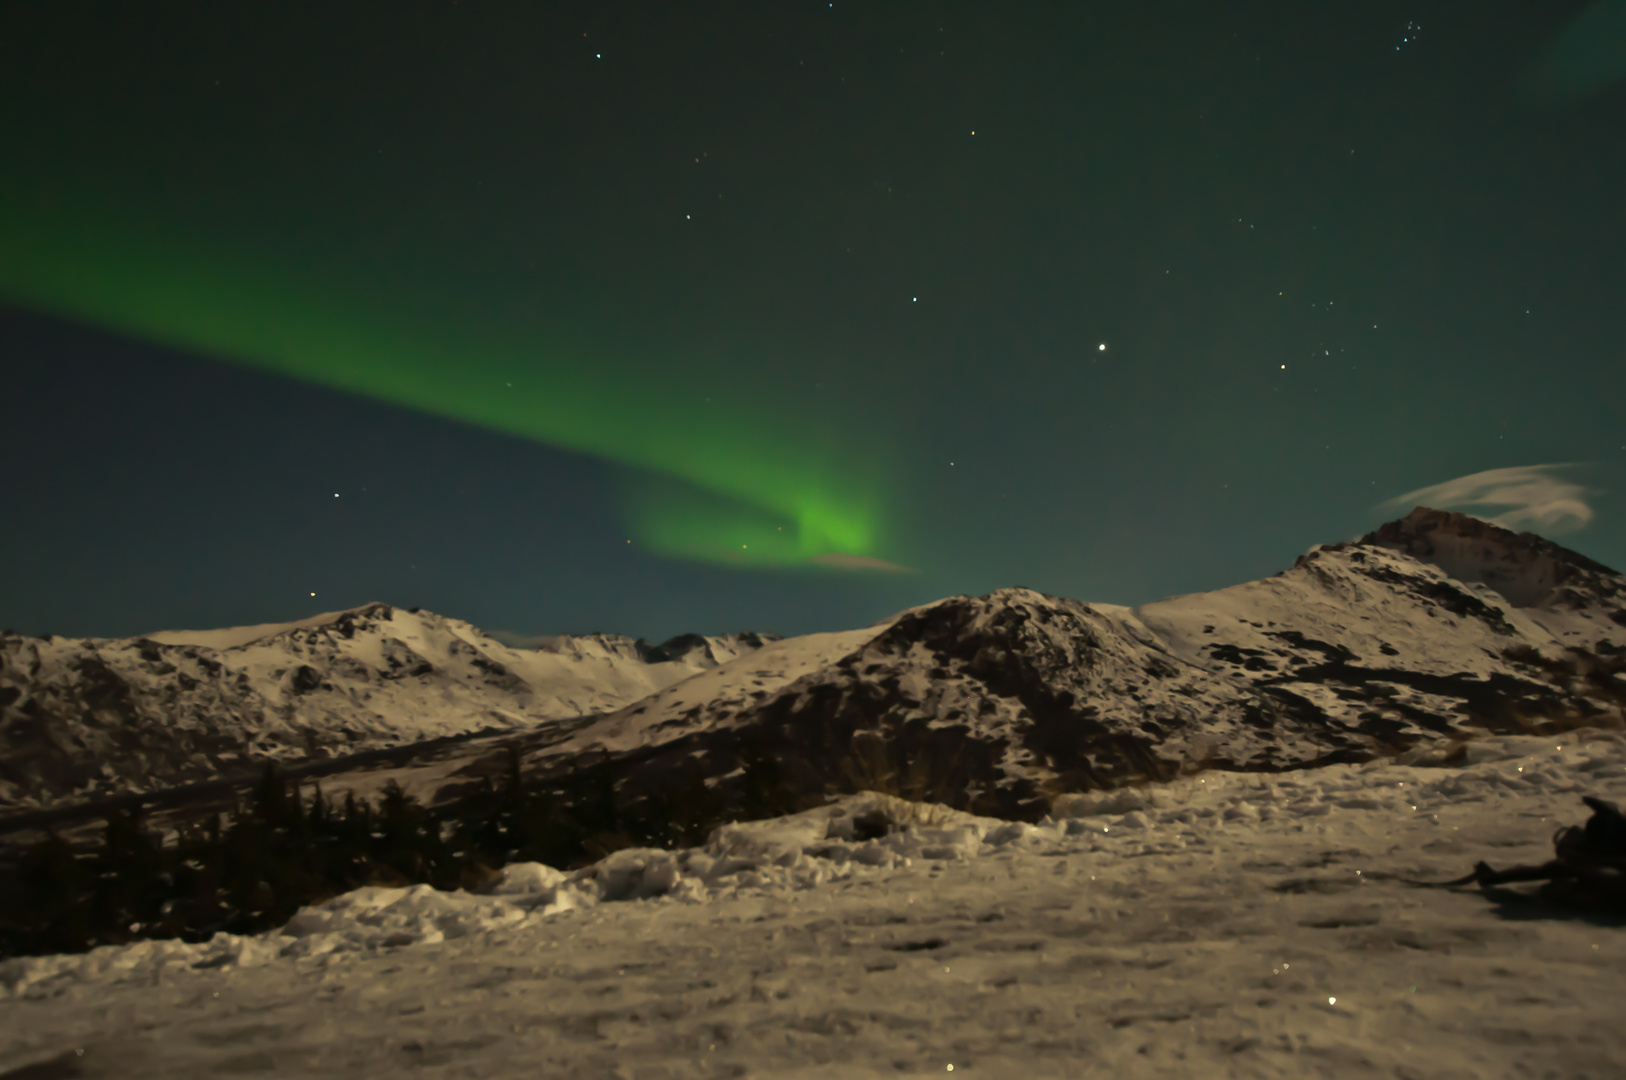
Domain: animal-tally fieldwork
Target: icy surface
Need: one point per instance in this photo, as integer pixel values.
(1226, 924)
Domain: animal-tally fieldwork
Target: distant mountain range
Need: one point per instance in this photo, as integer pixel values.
(84, 717)
(1431, 630)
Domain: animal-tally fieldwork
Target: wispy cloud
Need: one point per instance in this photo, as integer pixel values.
(859, 562)
(1532, 497)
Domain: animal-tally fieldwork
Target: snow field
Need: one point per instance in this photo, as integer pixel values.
(1229, 925)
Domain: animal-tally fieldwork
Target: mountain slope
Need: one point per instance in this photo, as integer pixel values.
(1429, 630)
(80, 717)
(1361, 649)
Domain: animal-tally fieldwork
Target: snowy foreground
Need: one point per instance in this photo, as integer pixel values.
(1228, 925)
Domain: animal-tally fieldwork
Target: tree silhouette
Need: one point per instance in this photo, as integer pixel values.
(250, 868)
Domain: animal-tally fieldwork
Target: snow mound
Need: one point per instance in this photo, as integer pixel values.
(871, 835)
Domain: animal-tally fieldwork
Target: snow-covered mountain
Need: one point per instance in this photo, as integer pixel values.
(1231, 919)
(1434, 628)
(82, 717)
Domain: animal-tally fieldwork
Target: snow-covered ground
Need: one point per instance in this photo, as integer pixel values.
(1226, 925)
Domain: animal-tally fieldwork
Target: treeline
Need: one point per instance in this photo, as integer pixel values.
(252, 868)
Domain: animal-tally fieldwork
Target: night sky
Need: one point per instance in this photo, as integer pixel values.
(785, 316)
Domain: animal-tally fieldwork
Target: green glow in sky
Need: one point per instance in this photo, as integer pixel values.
(712, 476)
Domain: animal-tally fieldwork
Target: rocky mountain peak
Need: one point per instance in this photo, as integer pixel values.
(1529, 570)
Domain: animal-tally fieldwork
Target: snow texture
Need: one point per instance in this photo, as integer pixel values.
(1227, 924)
(1189, 824)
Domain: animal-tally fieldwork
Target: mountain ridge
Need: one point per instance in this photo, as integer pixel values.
(86, 717)
(1360, 649)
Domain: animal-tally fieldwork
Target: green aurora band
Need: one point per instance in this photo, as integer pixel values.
(723, 481)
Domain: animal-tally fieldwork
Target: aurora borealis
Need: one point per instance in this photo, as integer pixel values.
(650, 318)
(741, 481)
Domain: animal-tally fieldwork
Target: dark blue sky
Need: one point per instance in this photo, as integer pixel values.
(1338, 252)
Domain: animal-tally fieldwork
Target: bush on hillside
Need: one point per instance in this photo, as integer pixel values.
(251, 869)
